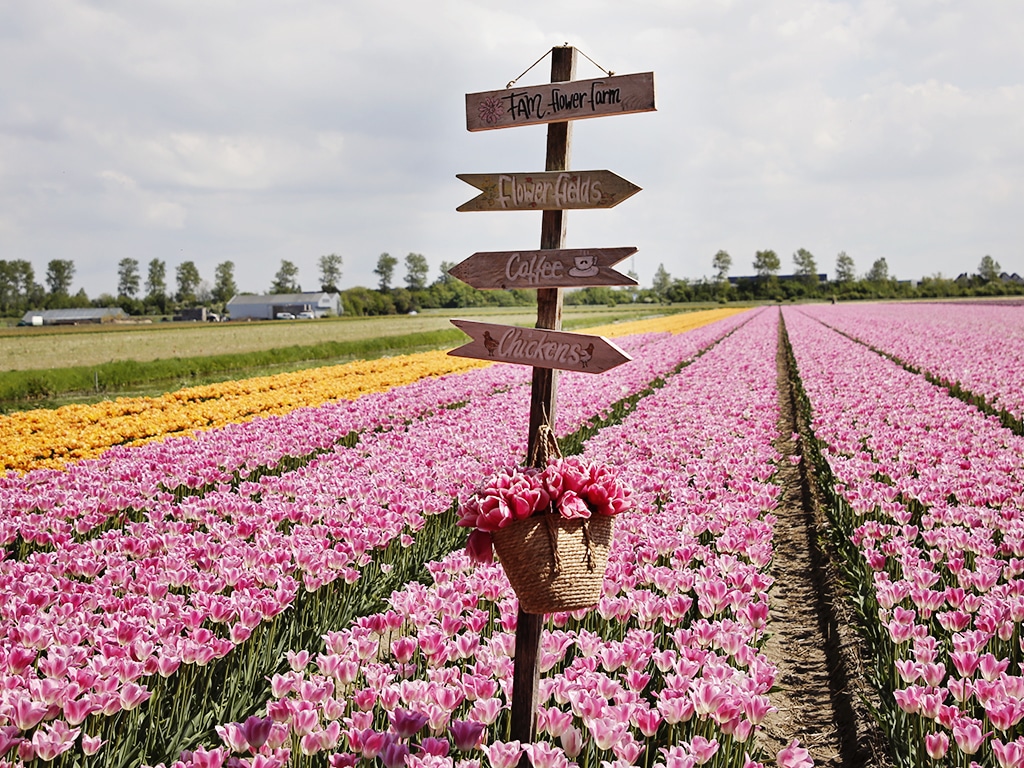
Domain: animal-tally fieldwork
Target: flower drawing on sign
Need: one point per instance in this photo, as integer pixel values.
(570, 487)
(491, 109)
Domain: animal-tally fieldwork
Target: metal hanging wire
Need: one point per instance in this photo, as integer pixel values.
(548, 53)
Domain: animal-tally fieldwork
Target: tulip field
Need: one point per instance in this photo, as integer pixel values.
(271, 573)
(926, 492)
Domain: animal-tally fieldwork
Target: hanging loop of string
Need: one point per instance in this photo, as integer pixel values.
(546, 53)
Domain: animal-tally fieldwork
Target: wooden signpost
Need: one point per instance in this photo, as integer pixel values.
(549, 270)
(546, 191)
(563, 268)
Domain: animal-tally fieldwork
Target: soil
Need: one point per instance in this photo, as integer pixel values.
(821, 695)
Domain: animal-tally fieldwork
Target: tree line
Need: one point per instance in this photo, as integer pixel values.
(154, 295)
(806, 282)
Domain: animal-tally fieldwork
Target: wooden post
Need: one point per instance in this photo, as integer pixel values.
(525, 675)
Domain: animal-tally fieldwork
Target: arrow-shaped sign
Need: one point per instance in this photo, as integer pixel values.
(546, 191)
(552, 268)
(539, 347)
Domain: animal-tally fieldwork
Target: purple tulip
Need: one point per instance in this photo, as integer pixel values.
(466, 735)
(407, 723)
(394, 753)
(256, 730)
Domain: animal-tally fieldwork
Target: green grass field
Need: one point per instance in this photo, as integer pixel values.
(52, 366)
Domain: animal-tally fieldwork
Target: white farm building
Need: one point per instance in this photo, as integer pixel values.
(269, 306)
(80, 316)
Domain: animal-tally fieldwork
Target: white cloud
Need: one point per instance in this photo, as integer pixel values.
(256, 130)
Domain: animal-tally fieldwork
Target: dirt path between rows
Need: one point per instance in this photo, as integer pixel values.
(820, 696)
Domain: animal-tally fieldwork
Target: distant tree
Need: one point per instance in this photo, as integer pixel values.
(187, 275)
(444, 278)
(224, 287)
(681, 290)
(59, 274)
(879, 272)
(989, 269)
(385, 270)
(286, 279)
(8, 288)
(18, 288)
(416, 270)
(156, 280)
(766, 263)
(661, 283)
(721, 263)
(128, 277)
(806, 267)
(330, 272)
(23, 277)
(844, 268)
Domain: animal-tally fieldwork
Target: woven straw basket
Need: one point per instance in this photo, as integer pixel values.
(555, 564)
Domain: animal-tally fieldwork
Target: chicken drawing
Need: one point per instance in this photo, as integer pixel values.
(587, 354)
(490, 343)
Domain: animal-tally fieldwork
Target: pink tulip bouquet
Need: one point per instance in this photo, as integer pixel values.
(571, 488)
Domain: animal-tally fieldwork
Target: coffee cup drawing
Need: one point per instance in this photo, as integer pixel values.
(584, 266)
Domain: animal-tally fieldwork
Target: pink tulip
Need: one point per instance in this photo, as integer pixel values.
(503, 754)
(53, 739)
(27, 714)
(1009, 755)
(91, 744)
(233, 737)
(704, 749)
(936, 745)
(571, 740)
(544, 755)
(677, 756)
(794, 756)
(480, 547)
(373, 742)
(968, 735)
(435, 746)
(572, 507)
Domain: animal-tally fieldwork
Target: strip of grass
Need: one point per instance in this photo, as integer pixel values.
(18, 387)
(58, 386)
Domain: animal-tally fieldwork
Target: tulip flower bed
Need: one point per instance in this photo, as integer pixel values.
(150, 592)
(52, 438)
(976, 350)
(927, 496)
(664, 671)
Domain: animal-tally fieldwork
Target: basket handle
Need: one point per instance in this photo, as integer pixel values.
(545, 448)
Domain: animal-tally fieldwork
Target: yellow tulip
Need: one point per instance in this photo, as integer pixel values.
(53, 438)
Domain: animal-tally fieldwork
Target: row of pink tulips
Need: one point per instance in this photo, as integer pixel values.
(125, 482)
(665, 671)
(94, 627)
(978, 348)
(930, 493)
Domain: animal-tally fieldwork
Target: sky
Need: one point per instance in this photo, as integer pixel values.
(258, 131)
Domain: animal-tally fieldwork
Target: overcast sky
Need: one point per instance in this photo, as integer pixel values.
(261, 130)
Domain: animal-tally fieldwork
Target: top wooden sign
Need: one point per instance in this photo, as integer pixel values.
(556, 102)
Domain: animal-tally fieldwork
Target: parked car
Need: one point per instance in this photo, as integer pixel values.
(284, 316)
(306, 316)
